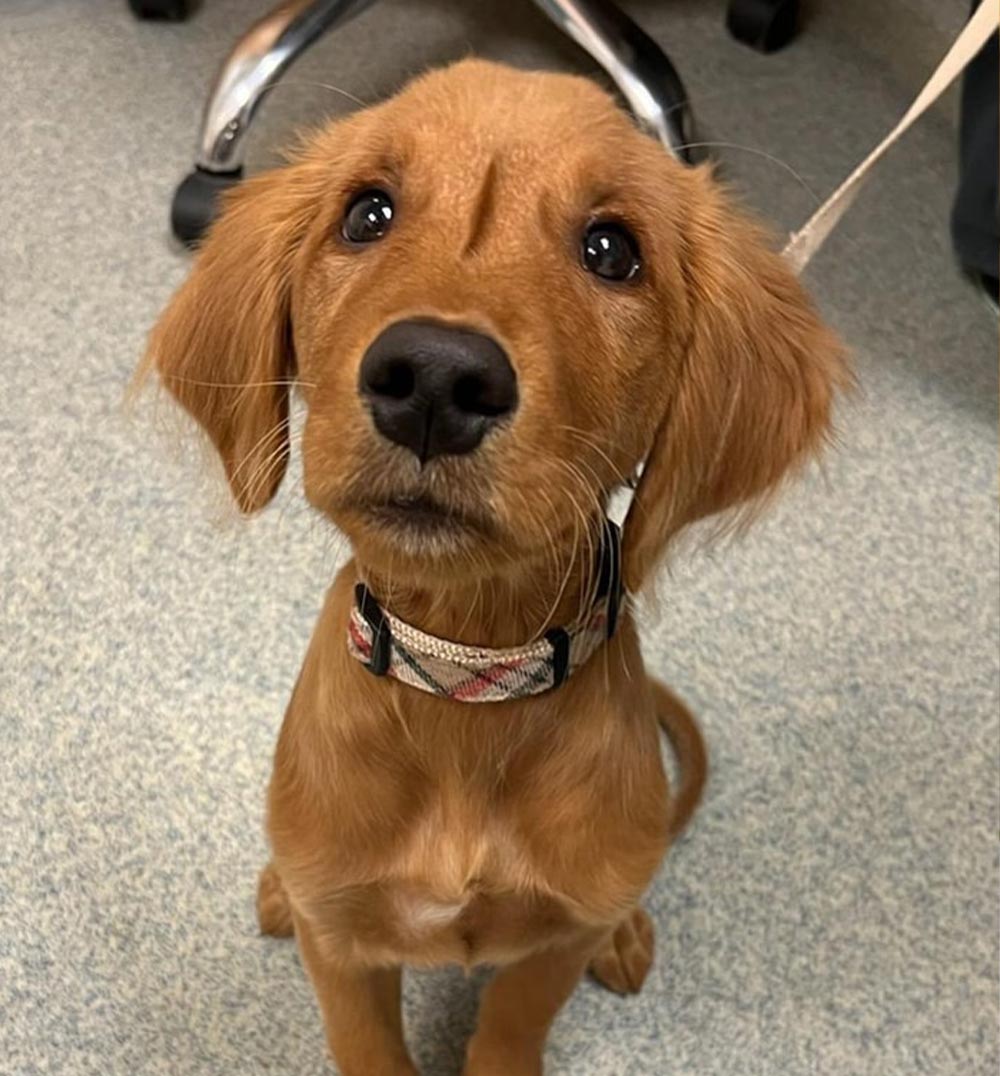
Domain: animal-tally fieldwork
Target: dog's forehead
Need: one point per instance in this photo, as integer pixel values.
(500, 111)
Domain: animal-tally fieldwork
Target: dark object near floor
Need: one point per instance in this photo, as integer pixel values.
(765, 25)
(989, 286)
(173, 10)
(642, 72)
(196, 202)
(975, 214)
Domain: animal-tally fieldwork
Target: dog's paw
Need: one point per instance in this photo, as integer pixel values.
(273, 912)
(624, 961)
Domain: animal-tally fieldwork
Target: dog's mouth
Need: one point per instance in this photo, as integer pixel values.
(421, 514)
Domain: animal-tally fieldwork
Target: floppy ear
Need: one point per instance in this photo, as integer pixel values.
(223, 346)
(753, 398)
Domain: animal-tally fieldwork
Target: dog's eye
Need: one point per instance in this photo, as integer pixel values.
(368, 217)
(610, 251)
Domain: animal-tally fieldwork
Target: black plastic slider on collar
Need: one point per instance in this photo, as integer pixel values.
(558, 639)
(381, 654)
(609, 579)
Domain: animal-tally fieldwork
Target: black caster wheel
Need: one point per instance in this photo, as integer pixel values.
(765, 25)
(174, 10)
(196, 203)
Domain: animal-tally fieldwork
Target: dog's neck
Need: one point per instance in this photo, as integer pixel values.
(498, 611)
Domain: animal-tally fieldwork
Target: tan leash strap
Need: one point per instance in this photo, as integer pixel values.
(804, 243)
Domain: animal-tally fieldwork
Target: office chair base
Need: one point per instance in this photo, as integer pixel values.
(764, 25)
(640, 69)
(174, 10)
(195, 203)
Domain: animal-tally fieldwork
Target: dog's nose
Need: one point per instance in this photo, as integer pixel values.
(436, 389)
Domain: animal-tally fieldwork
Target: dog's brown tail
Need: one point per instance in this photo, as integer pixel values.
(692, 759)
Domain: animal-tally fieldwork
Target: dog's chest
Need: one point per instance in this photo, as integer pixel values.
(459, 891)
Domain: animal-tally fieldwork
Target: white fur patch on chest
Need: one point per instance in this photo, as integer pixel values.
(421, 914)
(444, 867)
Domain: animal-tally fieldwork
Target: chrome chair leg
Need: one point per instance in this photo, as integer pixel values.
(257, 61)
(640, 69)
(255, 64)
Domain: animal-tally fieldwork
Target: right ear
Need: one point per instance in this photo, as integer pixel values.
(755, 394)
(223, 347)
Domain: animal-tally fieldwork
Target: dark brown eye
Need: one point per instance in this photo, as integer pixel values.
(368, 217)
(610, 251)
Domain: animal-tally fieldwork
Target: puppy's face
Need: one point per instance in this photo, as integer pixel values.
(485, 303)
(497, 298)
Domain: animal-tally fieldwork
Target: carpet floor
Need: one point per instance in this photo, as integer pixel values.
(833, 909)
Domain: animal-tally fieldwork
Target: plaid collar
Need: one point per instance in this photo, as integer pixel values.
(389, 647)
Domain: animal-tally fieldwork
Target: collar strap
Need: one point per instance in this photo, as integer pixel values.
(387, 646)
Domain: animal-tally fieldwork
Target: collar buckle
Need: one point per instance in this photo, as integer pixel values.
(378, 663)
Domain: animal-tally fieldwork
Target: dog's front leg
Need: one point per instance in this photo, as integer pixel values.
(518, 1007)
(361, 1011)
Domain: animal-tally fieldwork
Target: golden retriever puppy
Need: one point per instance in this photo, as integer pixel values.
(497, 298)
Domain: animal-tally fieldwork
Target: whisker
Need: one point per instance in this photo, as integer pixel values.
(584, 565)
(566, 575)
(309, 84)
(585, 529)
(276, 429)
(265, 470)
(759, 153)
(591, 443)
(291, 382)
(264, 475)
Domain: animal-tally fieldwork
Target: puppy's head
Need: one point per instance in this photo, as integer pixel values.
(497, 297)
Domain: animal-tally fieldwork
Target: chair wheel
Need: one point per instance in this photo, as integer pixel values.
(196, 203)
(174, 10)
(765, 25)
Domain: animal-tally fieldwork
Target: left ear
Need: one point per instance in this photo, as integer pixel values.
(754, 396)
(223, 346)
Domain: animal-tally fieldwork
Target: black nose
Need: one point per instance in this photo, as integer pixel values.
(436, 389)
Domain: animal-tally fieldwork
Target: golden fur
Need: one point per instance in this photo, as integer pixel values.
(407, 828)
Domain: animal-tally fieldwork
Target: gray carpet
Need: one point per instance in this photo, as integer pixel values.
(833, 910)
